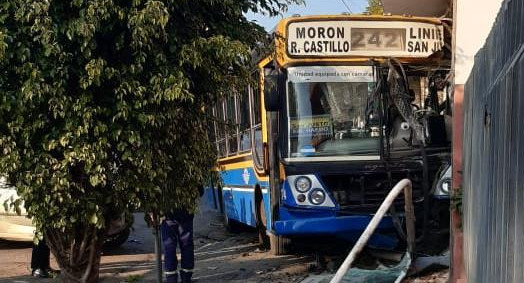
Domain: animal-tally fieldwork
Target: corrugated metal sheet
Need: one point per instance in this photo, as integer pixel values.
(493, 154)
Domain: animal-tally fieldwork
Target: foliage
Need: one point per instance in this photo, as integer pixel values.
(457, 196)
(102, 107)
(375, 7)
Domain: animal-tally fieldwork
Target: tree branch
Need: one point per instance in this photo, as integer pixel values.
(92, 254)
(83, 245)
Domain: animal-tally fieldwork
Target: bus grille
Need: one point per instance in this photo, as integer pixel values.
(365, 192)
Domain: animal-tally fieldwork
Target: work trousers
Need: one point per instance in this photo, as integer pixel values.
(40, 256)
(177, 228)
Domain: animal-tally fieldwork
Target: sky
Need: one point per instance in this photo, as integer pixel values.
(312, 7)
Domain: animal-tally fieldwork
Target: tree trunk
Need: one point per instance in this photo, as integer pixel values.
(77, 253)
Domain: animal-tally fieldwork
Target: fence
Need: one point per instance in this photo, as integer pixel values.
(493, 154)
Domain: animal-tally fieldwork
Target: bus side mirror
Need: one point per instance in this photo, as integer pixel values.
(274, 89)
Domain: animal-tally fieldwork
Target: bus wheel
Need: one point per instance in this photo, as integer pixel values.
(261, 220)
(279, 244)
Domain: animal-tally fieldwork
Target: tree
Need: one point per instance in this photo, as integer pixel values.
(375, 7)
(103, 103)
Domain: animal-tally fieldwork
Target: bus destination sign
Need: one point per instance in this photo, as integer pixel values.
(363, 38)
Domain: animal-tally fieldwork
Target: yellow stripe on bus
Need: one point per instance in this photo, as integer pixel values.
(225, 159)
(236, 165)
(241, 165)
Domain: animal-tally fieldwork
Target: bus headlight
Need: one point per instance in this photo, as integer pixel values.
(302, 184)
(306, 190)
(445, 185)
(317, 196)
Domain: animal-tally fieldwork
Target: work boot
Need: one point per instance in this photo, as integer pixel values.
(45, 273)
(172, 278)
(186, 276)
(40, 273)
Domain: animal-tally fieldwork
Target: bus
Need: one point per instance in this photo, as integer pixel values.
(344, 107)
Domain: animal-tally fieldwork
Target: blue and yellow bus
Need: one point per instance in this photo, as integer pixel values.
(345, 107)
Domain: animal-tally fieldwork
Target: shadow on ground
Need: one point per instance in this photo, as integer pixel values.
(8, 245)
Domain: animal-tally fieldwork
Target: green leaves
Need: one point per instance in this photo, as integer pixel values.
(93, 219)
(375, 7)
(3, 45)
(148, 24)
(94, 70)
(103, 103)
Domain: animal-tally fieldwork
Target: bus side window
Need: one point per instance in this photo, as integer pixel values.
(232, 126)
(244, 121)
(221, 130)
(256, 123)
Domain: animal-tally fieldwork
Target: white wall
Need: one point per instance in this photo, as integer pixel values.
(473, 20)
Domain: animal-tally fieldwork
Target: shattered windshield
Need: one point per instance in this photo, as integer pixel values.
(332, 112)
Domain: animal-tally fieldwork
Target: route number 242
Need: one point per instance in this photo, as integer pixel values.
(377, 39)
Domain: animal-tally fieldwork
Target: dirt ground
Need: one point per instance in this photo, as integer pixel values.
(435, 277)
(220, 257)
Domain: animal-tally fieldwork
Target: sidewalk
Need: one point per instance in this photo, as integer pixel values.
(220, 257)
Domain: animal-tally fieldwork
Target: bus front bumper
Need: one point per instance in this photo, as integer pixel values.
(346, 227)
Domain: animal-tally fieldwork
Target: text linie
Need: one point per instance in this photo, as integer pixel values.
(425, 33)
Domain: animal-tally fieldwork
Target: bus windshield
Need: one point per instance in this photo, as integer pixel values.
(332, 113)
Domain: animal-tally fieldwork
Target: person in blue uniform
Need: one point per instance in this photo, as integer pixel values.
(177, 228)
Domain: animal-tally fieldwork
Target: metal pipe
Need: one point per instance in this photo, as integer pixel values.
(158, 253)
(404, 185)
